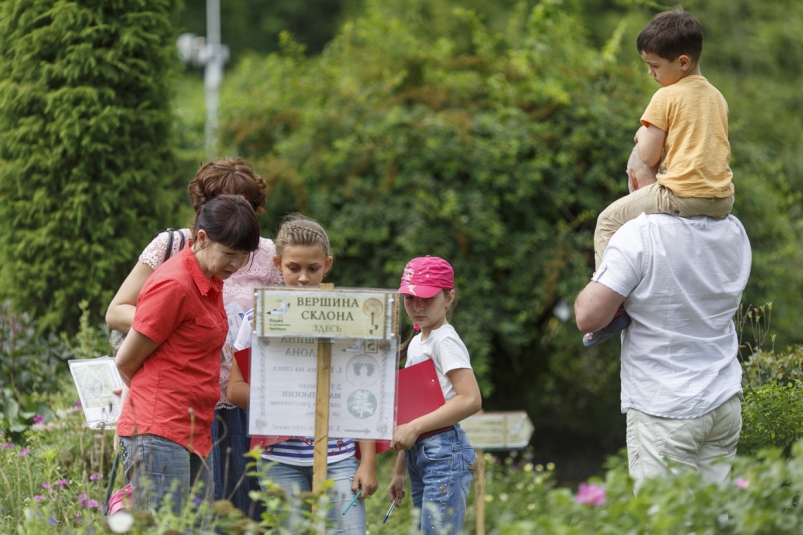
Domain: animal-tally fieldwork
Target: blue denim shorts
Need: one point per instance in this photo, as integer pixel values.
(441, 468)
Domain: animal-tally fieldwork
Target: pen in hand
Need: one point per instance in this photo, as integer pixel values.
(359, 491)
(392, 505)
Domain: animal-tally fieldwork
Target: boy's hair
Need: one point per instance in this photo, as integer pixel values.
(298, 230)
(672, 34)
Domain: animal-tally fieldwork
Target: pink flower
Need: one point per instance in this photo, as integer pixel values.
(7, 445)
(590, 494)
(741, 482)
(38, 498)
(95, 476)
(61, 482)
(46, 485)
(24, 452)
(93, 503)
(83, 499)
(38, 419)
(78, 518)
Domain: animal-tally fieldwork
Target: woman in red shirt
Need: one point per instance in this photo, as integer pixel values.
(170, 359)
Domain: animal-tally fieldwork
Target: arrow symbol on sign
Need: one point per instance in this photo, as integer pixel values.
(366, 431)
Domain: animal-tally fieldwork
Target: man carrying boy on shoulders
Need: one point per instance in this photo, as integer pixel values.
(681, 280)
(684, 132)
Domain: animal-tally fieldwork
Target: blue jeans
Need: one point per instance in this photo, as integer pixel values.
(441, 468)
(157, 467)
(296, 479)
(231, 466)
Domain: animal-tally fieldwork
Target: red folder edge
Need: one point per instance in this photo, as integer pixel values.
(243, 358)
(419, 393)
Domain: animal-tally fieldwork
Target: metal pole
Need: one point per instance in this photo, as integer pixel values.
(213, 75)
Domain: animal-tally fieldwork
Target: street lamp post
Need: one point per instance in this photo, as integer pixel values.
(212, 55)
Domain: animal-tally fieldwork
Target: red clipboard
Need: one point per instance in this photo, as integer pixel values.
(419, 393)
(243, 358)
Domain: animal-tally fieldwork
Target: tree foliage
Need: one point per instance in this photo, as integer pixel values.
(497, 158)
(417, 131)
(85, 160)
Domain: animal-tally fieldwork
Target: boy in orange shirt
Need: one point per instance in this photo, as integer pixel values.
(685, 130)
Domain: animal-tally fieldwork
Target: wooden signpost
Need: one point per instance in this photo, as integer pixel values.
(494, 431)
(367, 320)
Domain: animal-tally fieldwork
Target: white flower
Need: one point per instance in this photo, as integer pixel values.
(121, 522)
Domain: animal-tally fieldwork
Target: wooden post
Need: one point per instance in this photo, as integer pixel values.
(479, 492)
(322, 413)
(322, 387)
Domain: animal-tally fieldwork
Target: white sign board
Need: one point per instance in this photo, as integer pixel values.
(345, 313)
(498, 430)
(95, 379)
(283, 382)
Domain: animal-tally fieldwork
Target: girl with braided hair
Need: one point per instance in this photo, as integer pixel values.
(303, 257)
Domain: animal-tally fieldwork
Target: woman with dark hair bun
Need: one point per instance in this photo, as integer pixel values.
(170, 357)
(233, 176)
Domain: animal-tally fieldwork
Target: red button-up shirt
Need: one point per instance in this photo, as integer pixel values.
(173, 394)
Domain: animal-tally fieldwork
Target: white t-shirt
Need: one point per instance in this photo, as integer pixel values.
(447, 351)
(683, 279)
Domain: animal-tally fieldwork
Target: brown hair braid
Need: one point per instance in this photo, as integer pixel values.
(298, 230)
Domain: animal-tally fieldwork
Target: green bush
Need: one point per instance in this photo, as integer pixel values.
(772, 415)
(56, 466)
(772, 410)
(762, 498)
(30, 364)
(496, 155)
(86, 167)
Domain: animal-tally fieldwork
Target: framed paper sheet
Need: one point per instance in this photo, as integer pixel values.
(362, 392)
(95, 379)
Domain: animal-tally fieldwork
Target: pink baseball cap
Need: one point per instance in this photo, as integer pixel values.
(425, 276)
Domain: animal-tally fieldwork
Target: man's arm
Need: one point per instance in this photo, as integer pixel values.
(595, 307)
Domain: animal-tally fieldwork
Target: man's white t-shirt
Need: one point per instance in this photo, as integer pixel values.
(683, 279)
(447, 351)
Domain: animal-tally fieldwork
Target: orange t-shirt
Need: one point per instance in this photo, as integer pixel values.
(182, 311)
(696, 158)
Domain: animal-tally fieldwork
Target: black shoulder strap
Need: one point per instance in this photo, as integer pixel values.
(169, 250)
(181, 246)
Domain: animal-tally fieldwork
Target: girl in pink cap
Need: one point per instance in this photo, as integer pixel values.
(440, 464)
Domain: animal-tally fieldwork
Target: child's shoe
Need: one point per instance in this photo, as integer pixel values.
(619, 322)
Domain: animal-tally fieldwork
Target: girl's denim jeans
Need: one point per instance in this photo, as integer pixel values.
(296, 479)
(441, 468)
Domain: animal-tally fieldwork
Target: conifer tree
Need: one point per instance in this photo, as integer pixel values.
(85, 153)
